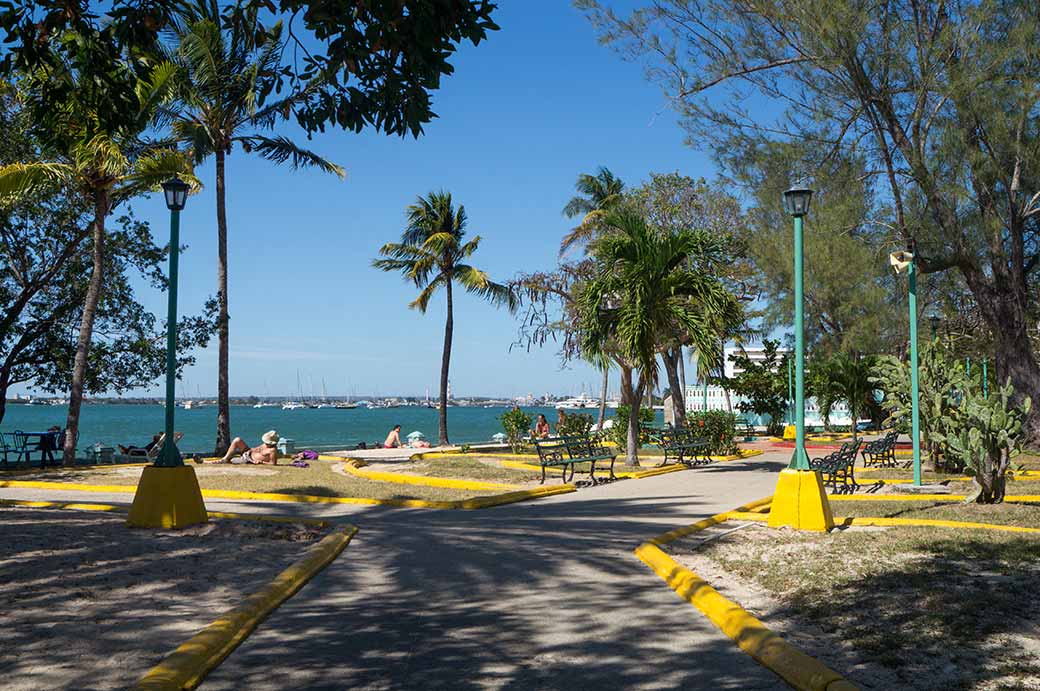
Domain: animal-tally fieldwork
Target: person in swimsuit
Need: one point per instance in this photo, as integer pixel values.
(393, 440)
(267, 453)
(541, 428)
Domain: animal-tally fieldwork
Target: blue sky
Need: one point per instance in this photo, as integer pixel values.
(524, 113)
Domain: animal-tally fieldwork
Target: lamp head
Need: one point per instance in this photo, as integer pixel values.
(176, 191)
(797, 198)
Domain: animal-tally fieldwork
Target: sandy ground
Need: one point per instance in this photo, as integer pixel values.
(86, 603)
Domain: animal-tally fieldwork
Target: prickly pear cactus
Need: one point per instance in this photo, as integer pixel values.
(987, 435)
(941, 383)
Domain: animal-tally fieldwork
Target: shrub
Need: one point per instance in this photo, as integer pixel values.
(618, 432)
(516, 424)
(574, 424)
(718, 428)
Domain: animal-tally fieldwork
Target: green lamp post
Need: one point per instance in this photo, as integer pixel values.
(915, 392)
(800, 498)
(796, 204)
(176, 192)
(934, 319)
(168, 494)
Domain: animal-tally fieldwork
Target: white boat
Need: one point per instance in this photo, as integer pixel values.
(187, 405)
(263, 404)
(292, 405)
(579, 402)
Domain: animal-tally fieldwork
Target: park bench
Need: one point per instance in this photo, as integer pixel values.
(838, 468)
(567, 452)
(882, 452)
(682, 446)
(744, 423)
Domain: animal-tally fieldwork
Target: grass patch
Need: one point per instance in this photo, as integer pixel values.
(318, 480)
(955, 607)
(468, 467)
(1025, 515)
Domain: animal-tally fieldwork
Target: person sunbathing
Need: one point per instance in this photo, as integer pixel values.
(140, 450)
(393, 440)
(240, 453)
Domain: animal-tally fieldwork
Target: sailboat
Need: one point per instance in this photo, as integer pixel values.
(293, 405)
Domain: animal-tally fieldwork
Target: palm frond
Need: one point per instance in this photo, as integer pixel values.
(280, 149)
(18, 179)
(423, 301)
(477, 282)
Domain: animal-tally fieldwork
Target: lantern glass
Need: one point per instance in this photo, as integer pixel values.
(797, 199)
(176, 191)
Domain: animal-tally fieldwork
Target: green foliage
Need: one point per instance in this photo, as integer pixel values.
(985, 435)
(464, 448)
(645, 291)
(370, 66)
(941, 381)
(762, 385)
(718, 427)
(617, 433)
(517, 426)
(574, 424)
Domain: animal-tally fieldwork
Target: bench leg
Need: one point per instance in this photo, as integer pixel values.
(543, 475)
(592, 473)
(612, 476)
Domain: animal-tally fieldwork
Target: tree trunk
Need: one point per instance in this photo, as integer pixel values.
(5, 382)
(602, 398)
(682, 373)
(223, 402)
(449, 326)
(1003, 308)
(632, 443)
(672, 360)
(86, 329)
(855, 430)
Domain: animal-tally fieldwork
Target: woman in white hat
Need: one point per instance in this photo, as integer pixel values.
(267, 452)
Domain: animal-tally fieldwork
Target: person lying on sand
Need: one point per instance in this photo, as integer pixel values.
(267, 453)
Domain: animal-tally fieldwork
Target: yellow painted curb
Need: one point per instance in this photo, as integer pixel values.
(1011, 498)
(932, 523)
(753, 637)
(74, 469)
(188, 665)
(472, 503)
(403, 479)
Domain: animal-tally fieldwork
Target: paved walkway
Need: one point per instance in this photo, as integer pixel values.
(539, 595)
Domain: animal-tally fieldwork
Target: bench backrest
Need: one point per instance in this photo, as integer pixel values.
(574, 447)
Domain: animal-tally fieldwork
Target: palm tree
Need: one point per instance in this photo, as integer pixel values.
(596, 194)
(107, 168)
(643, 293)
(432, 255)
(851, 377)
(226, 74)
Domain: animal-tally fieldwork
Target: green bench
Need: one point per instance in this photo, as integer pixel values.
(749, 430)
(566, 452)
(682, 446)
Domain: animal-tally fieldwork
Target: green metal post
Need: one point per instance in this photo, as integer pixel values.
(985, 380)
(705, 394)
(915, 403)
(800, 460)
(790, 391)
(170, 456)
(967, 366)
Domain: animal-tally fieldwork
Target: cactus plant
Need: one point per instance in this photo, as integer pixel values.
(942, 381)
(986, 435)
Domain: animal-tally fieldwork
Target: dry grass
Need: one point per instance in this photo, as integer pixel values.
(318, 480)
(941, 608)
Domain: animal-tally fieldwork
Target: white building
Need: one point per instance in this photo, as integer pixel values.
(714, 398)
(755, 354)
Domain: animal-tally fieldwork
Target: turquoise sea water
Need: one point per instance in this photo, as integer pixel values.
(325, 427)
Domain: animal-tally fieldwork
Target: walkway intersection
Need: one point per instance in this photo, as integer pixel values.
(538, 595)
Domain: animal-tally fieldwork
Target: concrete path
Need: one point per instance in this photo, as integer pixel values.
(539, 595)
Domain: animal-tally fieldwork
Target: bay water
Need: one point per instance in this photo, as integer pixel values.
(112, 424)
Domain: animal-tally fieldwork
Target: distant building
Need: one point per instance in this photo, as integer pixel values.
(755, 354)
(716, 400)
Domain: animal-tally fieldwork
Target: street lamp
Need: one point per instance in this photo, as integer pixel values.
(800, 499)
(176, 192)
(796, 204)
(168, 494)
(906, 260)
(934, 319)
